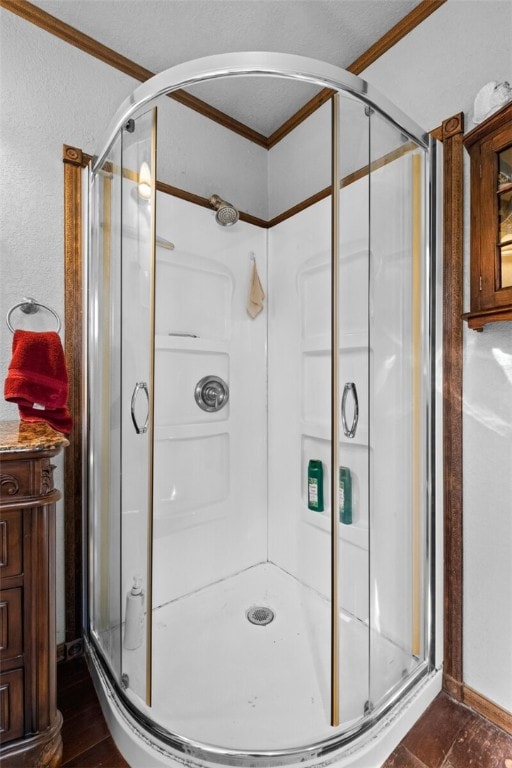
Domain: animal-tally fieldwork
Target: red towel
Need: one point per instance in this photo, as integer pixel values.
(37, 379)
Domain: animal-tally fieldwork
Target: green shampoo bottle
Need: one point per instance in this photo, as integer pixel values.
(315, 485)
(345, 495)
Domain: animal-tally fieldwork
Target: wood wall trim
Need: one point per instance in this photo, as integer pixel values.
(344, 182)
(453, 688)
(402, 28)
(321, 195)
(219, 117)
(73, 36)
(418, 14)
(487, 708)
(74, 160)
(190, 197)
(452, 130)
(306, 111)
(169, 189)
(89, 45)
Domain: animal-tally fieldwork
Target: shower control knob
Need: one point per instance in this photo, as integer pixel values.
(211, 393)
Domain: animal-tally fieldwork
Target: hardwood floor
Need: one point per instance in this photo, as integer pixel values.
(87, 742)
(448, 735)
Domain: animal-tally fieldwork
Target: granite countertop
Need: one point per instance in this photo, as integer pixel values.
(16, 436)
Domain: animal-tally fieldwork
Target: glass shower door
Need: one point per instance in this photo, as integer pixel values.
(120, 397)
(398, 423)
(351, 407)
(104, 408)
(380, 465)
(137, 364)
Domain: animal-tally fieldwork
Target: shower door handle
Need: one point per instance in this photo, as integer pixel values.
(349, 431)
(140, 385)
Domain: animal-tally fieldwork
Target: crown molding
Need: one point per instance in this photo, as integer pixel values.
(89, 45)
(387, 41)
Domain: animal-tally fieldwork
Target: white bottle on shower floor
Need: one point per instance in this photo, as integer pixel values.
(134, 619)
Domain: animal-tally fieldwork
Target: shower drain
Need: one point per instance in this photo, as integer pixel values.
(260, 614)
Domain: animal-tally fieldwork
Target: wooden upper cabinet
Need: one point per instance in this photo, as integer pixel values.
(490, 149)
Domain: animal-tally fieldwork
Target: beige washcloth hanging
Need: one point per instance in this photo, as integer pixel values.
(256, 293)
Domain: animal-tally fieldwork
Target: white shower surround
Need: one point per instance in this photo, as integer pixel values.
(210, 468)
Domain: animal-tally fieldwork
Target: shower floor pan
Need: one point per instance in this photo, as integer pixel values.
(224, 682)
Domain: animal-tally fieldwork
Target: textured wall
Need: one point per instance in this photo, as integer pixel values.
(50, 97)
(458, 49)
(202, 157)
(54, 94)
(289, 180)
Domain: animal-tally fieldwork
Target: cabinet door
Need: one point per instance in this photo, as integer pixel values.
(495, 213)
(11, 705)
(11, 618)
(11, 541)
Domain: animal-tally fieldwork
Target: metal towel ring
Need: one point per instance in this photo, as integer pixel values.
(30, 306)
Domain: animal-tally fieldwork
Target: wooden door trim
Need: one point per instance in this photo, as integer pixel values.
(74, 160)
(452, 131)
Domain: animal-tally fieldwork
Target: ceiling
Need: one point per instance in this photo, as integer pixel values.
(157, 34)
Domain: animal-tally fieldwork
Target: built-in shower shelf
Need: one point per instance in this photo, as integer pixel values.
(361, 438)
(323, 432)
(316, 430)
(346, 341)
(355, 533)
(190, 343)
(190, 431)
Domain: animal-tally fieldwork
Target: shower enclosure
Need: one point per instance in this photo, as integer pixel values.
(268, 480)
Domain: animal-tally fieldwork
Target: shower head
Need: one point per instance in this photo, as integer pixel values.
(227, 214)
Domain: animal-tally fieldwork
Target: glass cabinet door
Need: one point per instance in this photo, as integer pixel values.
(504, 192)
(489, 145)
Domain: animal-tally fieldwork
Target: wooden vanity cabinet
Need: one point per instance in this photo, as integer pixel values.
(490, 149)
(29, 720)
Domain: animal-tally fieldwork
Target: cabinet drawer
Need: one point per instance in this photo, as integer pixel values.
(11, 705)
(25, 479)
(11, 627)
(11, 544)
